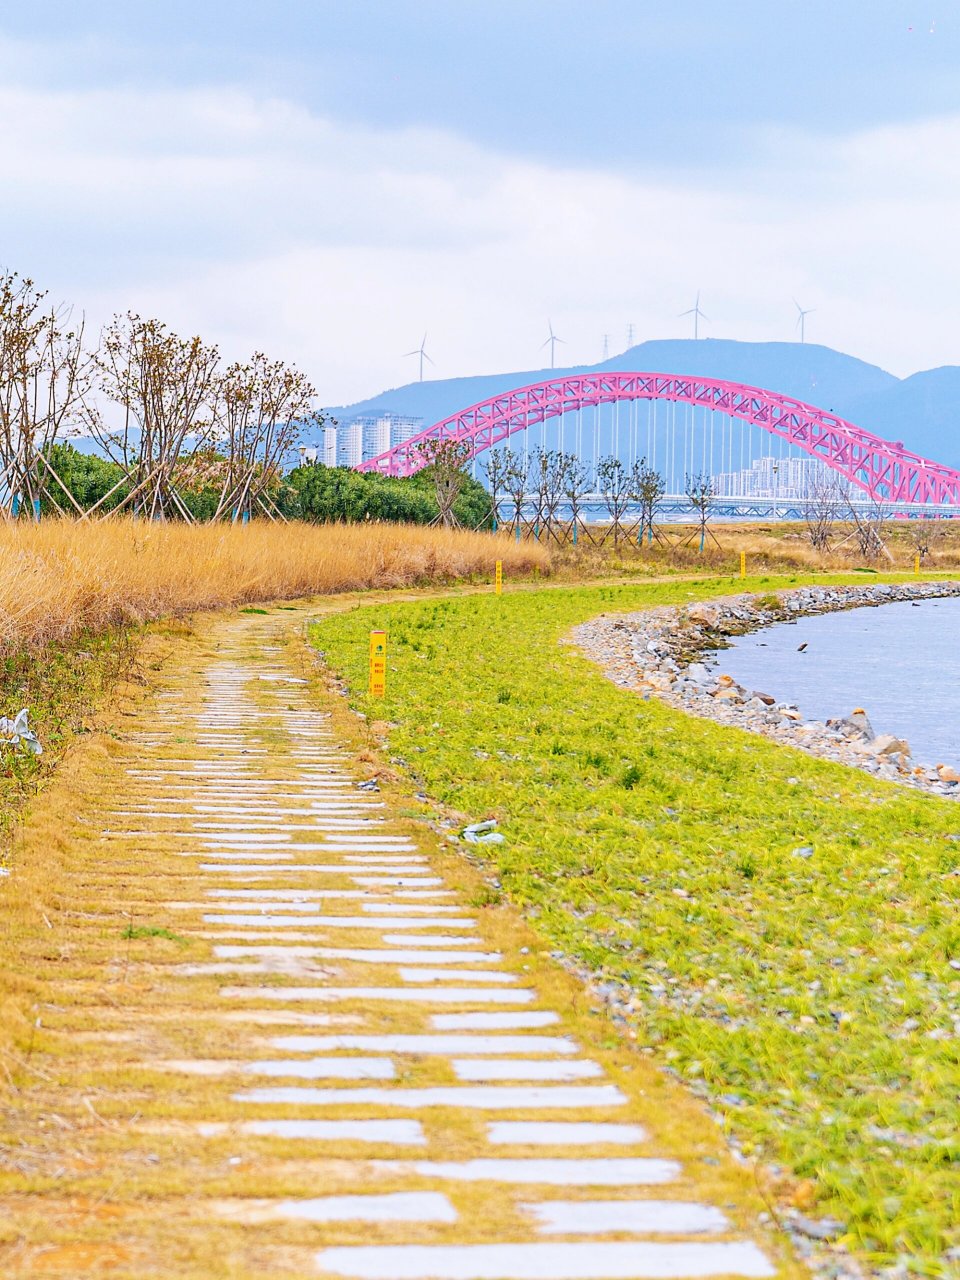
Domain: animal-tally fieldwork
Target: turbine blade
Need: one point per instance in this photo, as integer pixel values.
(426, 357)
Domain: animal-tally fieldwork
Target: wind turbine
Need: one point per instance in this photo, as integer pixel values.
(422, 353)
(801, 316)
(606, 346)
(697, 314)
(552, 343)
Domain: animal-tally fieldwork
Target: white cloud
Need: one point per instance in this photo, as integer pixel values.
(260, 225)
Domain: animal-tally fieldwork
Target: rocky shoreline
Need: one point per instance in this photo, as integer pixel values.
(656, 653)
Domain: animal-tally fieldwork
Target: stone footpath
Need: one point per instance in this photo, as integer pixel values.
(307, 1056)
(654, 652)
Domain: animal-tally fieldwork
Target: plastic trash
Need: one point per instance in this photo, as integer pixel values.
(483, 833)
(371, 784)
(16, 732)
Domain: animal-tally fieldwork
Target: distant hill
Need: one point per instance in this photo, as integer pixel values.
(923, 410)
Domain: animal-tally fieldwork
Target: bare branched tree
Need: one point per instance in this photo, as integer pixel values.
(576, 483)
(165, 387)
(648, 490)
(515, 483)
(699, 491)
(924, 536)
(616, 484)
(546, 477)
(538, 481)
(262, 409)
(825, 501)
(446, 459)
(497, 467)
(869, 520)
(43, 377)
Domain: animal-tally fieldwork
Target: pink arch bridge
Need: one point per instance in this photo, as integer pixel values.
(884, 470)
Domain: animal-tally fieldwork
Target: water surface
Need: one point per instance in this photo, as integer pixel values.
(901, 662)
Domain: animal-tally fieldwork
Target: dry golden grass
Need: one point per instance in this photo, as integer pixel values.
(60, 578)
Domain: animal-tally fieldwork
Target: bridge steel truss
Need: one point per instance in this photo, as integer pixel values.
(885, 470)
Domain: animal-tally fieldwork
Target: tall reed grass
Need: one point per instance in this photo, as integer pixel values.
(61, 578)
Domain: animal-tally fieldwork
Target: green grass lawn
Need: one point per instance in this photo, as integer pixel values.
(811, 999)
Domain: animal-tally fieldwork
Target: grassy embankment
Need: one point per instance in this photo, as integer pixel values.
(811, 999)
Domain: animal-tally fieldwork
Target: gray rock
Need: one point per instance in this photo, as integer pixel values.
(856, 725)
(818, 1228)
(887, 745)
(805, 851)
(708, 614)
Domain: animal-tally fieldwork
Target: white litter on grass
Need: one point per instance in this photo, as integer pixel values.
(482, 833)
(16, 732)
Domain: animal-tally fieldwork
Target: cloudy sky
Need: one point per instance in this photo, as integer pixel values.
(326, 180)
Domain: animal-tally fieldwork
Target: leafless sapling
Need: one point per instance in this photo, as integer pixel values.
(615, 482)
(824, 502)
(516, 484)
(700, 495)
(263, 407)
(576, 483)
(497, 467)
(649, 488)
(44, 373)
(164, 389)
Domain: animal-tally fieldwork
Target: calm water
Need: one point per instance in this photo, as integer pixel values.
(901, 662)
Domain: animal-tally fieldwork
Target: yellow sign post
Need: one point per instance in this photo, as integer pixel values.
(916, 563)
(498, 588)
(743, 564)
(378, 664)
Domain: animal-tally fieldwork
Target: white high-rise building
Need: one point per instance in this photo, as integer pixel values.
(350, 443)
(778, 478)
(376, 437)
(375, 434)
(328, 451)
(402, 427)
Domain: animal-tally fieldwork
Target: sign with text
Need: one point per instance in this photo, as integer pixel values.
(378, 663)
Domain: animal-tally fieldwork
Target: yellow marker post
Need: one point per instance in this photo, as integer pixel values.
(916, 564)
(743, 564)
(498, 587)
(378, 664)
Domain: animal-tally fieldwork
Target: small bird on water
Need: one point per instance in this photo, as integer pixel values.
(801, 647)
